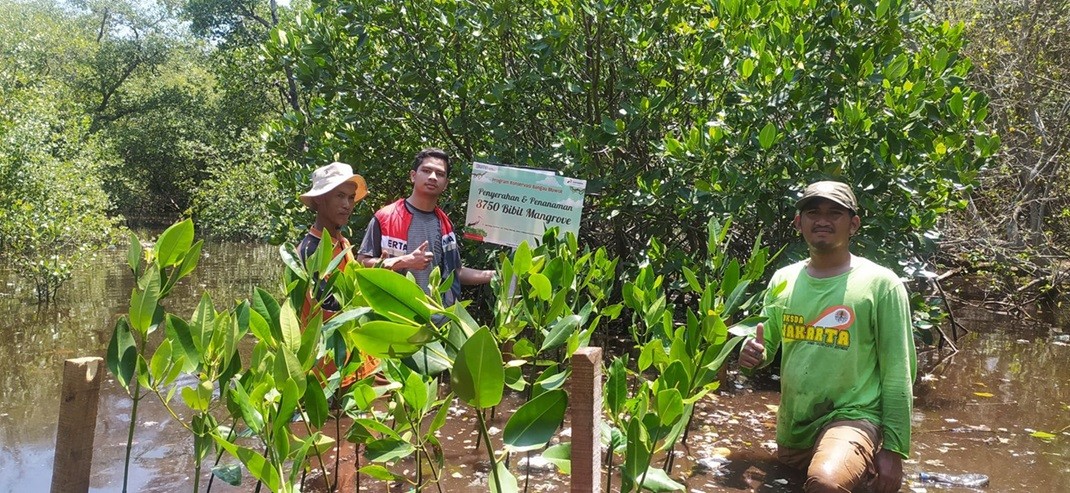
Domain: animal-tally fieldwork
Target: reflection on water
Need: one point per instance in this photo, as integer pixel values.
(977, 412)
(36, 341)
(974, 411)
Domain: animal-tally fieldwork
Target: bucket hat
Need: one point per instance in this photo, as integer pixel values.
(327, 178)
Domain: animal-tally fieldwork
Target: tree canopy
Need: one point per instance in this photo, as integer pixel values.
(674, 111)
(53, 207)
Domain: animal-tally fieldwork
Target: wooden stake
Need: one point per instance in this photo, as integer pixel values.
(585, 402)
(77, 424)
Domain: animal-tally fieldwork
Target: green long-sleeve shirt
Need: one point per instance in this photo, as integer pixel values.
(848, 352)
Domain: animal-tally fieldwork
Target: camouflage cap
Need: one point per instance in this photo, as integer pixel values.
(835, 191)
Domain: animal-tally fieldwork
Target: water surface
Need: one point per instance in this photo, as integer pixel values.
(37, 339)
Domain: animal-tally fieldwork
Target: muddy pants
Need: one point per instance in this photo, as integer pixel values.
(841, 459)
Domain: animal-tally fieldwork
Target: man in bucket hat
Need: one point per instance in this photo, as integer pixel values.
(848, 362)
(335, 192)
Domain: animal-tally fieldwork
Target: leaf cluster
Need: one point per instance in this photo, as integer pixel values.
(672, 111)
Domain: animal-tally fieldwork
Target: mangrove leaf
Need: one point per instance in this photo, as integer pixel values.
(534, 423)
(478, 375)
(393, 296)
(122, 354)
(173, 243)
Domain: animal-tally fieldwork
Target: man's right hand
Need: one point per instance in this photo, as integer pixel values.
(753, 352)
(419, 259)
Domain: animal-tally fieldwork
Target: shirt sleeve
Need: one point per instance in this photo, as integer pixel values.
(897, 360)
(307, 247)
(372, 244)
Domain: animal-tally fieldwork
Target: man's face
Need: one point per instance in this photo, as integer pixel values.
(430, 177)
(826, 225)
(334, 207)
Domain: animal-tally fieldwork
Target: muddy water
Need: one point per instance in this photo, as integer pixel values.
(36, 341)
(975, 411)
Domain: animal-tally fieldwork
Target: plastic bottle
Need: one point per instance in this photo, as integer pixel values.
(970, 480)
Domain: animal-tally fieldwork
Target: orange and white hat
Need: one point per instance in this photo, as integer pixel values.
(327, 178)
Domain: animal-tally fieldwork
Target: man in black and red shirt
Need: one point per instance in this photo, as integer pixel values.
(414, 234)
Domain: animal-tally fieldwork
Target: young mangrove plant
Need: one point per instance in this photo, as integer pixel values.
(685, 353)
(281, 378)
(157, 270)
(301, 361)
(550, 301)
(556, 299)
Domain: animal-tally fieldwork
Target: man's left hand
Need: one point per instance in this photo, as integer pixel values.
(889, 467)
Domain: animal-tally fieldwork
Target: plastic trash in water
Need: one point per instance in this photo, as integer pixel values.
(969, 480)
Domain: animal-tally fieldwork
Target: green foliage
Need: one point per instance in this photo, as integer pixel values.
(239, 192)
(678, 362)
(185, 145)
(285, 374)
(138, 80)
(113, 106)
(235, 23)
(673, 112)
(250, 92)
(556, 297)
(534, 423)
(172, 257)
(53, 209)
(1017, 216)
(53, 217)
(138, 108)
(264, 395)
(384, 315)
(478, 375)
(232, 201)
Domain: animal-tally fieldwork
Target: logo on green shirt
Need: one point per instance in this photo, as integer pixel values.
(829, 329)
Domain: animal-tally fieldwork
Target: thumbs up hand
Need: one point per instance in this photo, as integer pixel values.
(753, 352)
(421, 257)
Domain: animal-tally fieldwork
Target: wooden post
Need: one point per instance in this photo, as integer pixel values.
(586, 411)
(77, 424)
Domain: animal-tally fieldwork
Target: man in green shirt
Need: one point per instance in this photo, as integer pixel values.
(848, 362)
